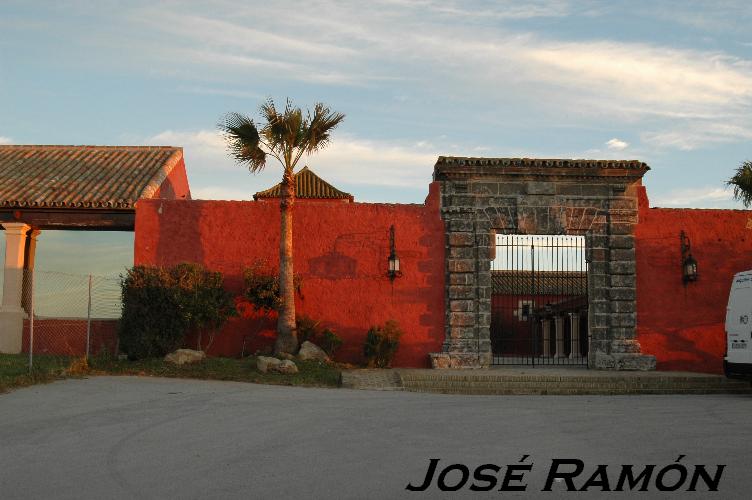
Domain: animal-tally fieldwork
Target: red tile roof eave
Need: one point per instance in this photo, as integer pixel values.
(97, 177)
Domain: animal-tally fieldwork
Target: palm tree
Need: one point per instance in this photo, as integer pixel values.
(285, 136)
(742, 183)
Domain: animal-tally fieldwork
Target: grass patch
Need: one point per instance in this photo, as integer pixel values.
(14, 370)
(311, 373)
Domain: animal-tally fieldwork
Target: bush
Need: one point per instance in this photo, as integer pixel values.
(381, 344)
(307, 329)
(330, 342)
(261, 287)
(161, 305)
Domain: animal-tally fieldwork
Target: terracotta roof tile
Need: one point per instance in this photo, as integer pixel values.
(307, 185)
(539, 283)
(83, 176)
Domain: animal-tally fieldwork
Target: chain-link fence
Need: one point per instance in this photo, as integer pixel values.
(70, 314)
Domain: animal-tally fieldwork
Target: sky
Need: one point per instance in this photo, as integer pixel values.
(665, 82)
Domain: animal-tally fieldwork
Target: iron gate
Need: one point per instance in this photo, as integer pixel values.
(539, 302)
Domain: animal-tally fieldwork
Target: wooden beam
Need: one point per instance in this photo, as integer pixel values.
(80, 219)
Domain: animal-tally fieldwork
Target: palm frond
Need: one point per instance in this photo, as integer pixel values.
(321, 123)
(286, 134)
(243, 141)
(742, 183)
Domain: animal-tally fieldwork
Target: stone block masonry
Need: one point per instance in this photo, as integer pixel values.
(481, 197)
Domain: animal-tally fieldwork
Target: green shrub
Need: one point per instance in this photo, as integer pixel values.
(307, 329)
(261, 287)
(162, 305)
(311, 330)
(381, 344)
(330, 342)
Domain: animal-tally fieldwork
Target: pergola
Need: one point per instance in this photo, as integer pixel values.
(89, 188)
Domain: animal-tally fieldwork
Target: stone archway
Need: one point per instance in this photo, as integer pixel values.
(595, 198)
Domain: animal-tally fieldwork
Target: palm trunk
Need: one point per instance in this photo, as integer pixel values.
(287, 339)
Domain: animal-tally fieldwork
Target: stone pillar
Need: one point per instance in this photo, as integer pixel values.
(11, 313)
(574, 328)
(468, 292)
(559, 327)
(30, 256)
(546, 327)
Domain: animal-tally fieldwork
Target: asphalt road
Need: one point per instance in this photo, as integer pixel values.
(131, 437)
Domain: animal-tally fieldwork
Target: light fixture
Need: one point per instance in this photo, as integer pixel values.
(394, 263)
(689, 264)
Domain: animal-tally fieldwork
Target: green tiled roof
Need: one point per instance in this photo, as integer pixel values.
(82, 176)
(307, 185)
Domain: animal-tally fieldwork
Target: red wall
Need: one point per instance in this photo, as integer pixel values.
(341, 252)
(175, 186)
(684, 326)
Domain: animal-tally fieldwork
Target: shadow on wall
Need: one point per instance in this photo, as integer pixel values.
(165, 235)
(333, 265)
(698, 349)
(341, 255)
(683, 325)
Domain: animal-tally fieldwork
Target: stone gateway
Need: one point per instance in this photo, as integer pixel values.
(481, 197)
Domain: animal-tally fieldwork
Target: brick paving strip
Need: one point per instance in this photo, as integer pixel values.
(542, 381)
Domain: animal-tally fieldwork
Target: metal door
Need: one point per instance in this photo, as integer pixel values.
(539, 301)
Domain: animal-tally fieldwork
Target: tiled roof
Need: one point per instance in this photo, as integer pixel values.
(83, 176)
(539, 283)
(541, 162)
(307, 185)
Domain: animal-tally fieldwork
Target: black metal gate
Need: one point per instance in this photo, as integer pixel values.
(540, 300)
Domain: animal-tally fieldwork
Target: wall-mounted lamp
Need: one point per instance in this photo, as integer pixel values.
(394, 263)
(689, 264)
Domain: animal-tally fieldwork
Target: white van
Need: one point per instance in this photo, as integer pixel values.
(738, 360)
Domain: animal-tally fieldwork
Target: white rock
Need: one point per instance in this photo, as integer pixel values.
(266, 364)
(185, 356)
(288, 367)
(309, 350)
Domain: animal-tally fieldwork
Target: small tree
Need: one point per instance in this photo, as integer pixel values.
(742, 183)
(286, 136)
(161, 305)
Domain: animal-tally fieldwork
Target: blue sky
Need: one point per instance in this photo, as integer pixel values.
(669, 83)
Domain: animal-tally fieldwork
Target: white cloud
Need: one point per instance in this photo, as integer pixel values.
(228, 92)
(697, 134)
(220, 193)
(5, 140)
(704, 197)
(422, 45)
(616, 144)
(347, 160)
(356, 161)
(341, 49)
(201, 144)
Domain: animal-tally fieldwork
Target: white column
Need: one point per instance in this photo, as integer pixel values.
(559, 326)
(546, 327)
(32, 236)
(11, 313)
(574, 324)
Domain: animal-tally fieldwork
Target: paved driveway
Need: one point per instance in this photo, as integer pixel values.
(131, 437)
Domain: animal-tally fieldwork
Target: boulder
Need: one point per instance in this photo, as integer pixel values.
(286, 355)
(185, 356)
(287, 367)
(266, 364)
(310, 351)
